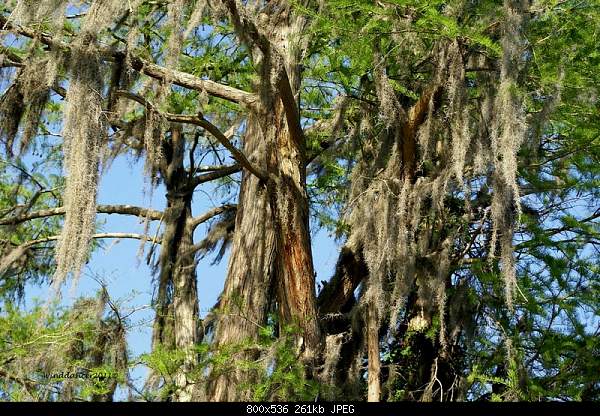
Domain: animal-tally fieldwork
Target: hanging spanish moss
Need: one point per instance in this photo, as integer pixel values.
(11, 257)
(155, 128)
(409, 246)
(458, 111)
(392, 112)
(195, 18)
(37, 79)
(507, 135)
(333, 346)
(84, 135)
(155, 124)
(12, 108)
(90, 336)
(102, 13)
(23, 102)
(47, 12)
(394, 241)
(219, 235)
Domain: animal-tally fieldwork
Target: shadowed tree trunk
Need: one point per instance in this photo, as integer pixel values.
(398, 148)
(176, 323)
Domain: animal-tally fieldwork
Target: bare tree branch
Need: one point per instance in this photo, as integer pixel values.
(134, 236)
(189, 81)
(215, 174)
(196, 221)
(18, 251)
(235, 153)
(101, 209)
(200, 121)
(211, 168)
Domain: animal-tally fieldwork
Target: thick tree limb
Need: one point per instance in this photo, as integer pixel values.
(216, 174)
(292, 115)
(235, 153)
(418, 111)
(349, 272)
(150, 69)
(196, 221)
(200, 121)
(101, 209)
(373, 354)
(189, 81)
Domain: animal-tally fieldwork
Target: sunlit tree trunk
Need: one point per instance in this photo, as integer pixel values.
(271, 250)
(374, 384)
(244, 303)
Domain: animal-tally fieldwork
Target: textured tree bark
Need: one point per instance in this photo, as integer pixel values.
(289, 200)
(244, 303)
(176, 322)
(271, 249)
(296, 280)
(185, 303)
(374, 386)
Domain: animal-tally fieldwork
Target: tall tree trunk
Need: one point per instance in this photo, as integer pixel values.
(289, 199)
(296, 295)
(185, 301)
(245, 299)
(271, 248)
(176, 322)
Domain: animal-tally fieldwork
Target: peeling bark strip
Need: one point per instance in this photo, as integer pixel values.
(416, 117)
(374, 386)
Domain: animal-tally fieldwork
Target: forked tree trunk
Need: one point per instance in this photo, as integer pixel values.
(176, 322)
(271, 248)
